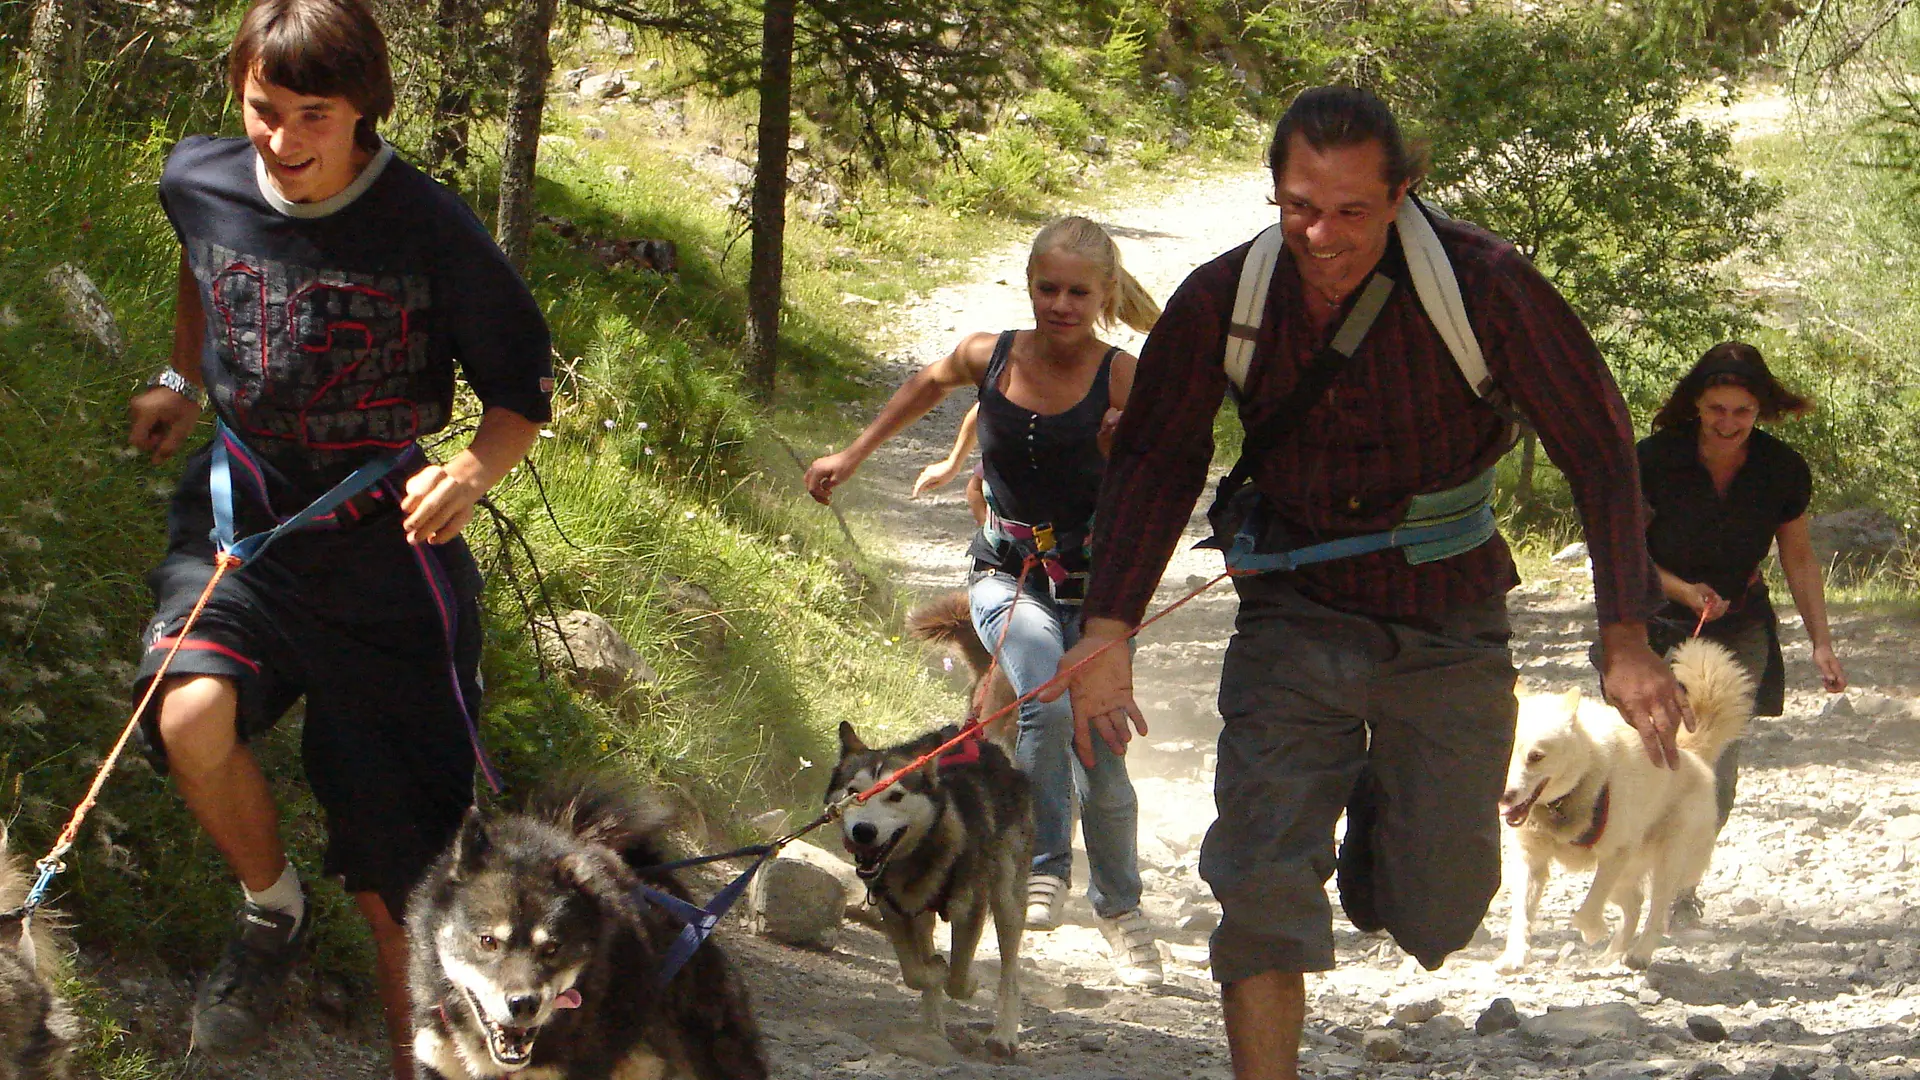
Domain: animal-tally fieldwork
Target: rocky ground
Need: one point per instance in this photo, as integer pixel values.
(1803, 966)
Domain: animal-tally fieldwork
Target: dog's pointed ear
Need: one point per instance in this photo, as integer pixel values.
(471, 844)
(1571, 700)
(850, 740)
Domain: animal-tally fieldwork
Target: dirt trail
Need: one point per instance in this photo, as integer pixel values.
(1806, 957)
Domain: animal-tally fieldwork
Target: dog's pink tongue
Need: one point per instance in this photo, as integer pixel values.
(567, 999)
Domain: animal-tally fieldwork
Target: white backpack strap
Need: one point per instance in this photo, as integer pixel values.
(1250, 303)
(1439, 293)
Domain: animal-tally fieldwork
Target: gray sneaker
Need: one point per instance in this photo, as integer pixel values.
(242, 993)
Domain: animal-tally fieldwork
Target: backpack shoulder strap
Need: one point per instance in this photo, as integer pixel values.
(1250, 303)
(1439, 292)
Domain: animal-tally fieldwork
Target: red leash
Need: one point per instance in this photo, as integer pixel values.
(973, 727)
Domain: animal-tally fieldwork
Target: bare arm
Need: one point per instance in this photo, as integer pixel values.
(1699, 596)
(965, 365)
(440, 498)
(941, 472)
(1804, 581)
(160, 420)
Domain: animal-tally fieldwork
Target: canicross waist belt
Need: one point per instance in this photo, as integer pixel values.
(235, 464)
(1438, 525)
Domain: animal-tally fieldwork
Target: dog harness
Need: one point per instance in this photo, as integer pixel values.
(370, 490)
(1598, 824)
(1437, 525)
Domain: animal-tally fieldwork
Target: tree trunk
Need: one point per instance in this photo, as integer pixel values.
(52, 51)
(528, 99)
(1523, 492)
(455, 21)
(770, 196)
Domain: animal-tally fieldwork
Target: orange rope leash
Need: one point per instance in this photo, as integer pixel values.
(51, 864)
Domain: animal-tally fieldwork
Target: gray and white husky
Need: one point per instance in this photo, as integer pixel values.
(36, 1028)
(533, 954)
(950, 841)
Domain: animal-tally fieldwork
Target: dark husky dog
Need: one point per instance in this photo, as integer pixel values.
(36, 1030)
(952, 840)
(947, 620)
(532, 950)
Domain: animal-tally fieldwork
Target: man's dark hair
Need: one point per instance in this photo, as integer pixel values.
(325, 48)
(1730, 363)
(1330, 116)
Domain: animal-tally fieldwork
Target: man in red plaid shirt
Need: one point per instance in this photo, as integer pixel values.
(1370, 683)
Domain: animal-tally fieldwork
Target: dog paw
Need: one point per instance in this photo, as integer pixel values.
(961, 989)
(1511, 961)
(1002, 1049)
(1591, 930)
(1638, 960)
(925, 977)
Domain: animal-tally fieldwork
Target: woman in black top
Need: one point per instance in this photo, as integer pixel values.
(1048, 398)
(1722, 493)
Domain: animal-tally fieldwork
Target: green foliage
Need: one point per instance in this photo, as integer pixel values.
(1561, 137)
(1007, 173)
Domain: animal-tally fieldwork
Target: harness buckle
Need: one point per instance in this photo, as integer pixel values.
(1043, 538)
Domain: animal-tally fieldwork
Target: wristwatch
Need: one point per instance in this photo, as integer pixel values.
(178, 383)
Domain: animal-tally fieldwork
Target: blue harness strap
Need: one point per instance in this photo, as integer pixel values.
(699, 921)
(1243, 559)
(232, 459)
(228, 449)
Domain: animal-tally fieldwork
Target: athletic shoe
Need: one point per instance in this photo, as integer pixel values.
(1136, 959)
(1045, 894)
(240, 996)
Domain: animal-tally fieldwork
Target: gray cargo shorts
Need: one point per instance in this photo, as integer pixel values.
(1310, 696)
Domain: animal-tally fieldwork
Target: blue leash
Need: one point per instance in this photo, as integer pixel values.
(700, 921)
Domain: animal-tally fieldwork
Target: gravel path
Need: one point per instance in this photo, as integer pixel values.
(1804, 966)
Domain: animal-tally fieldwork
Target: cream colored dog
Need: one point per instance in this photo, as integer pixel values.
(1581, 792)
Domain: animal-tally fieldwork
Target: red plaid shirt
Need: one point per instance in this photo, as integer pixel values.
(1399, 420)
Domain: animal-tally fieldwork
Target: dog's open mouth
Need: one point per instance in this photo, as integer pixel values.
(1516, 814)
(870, 859)
(510, 1047)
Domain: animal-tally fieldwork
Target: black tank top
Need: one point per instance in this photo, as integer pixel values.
(1041, 469)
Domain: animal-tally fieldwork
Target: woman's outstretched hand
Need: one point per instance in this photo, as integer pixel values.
(829, 472)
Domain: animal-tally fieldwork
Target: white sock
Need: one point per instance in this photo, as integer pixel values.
(284, 896)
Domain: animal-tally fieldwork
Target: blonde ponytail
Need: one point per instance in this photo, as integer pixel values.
(1127, 301)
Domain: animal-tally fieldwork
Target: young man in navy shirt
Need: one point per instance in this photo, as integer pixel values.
(327, 293)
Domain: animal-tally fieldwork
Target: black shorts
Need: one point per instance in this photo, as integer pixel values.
(385, 743)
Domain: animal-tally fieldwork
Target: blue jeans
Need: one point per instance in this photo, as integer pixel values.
(1041, 633)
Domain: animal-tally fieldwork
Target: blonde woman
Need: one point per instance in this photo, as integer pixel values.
(1048, 399)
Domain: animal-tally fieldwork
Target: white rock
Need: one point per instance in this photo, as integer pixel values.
(598, 658)
(1415, 1007)
(1572, 553)
(86, 309)
(795, 901)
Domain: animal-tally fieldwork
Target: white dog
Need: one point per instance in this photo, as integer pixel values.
(1582, 792)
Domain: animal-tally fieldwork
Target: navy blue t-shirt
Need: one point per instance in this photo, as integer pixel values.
(333, 331)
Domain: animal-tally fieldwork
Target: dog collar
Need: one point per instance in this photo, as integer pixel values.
(1599, 823)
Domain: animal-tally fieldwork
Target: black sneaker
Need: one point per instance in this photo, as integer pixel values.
(1354, 864)
(240, 996)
